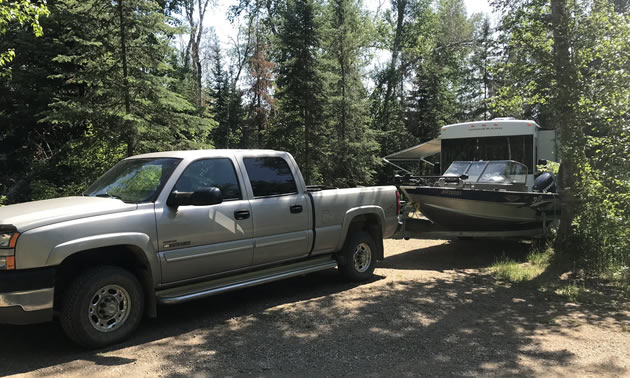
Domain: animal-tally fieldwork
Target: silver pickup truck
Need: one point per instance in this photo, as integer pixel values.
(169, 227)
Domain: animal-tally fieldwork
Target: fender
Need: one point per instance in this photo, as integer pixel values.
(140, 240)
(353, 213)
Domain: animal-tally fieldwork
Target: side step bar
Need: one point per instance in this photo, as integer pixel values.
(206, 289)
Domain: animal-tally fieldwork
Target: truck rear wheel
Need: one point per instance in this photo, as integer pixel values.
(358, 257)
(103, 306)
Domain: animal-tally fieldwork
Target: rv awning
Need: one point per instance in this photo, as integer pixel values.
(418, 152)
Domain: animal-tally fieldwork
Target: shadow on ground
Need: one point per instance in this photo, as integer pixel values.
(463, 324)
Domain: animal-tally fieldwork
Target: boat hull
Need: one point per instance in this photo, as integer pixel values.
(470, 209)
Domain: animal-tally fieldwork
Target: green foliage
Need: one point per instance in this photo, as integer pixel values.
(526, 69)
(352, 148)
(551, 167)
(298, 126)
(509, 270)
(597, 139)
(135, 187)
(22, 12)
(121, 84)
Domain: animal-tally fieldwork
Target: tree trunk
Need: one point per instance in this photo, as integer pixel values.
(565, 120)
(401, 6)
(130, 131)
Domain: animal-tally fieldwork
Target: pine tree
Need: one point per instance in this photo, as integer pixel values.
(353, 147)
(298, 126)
(120, 89)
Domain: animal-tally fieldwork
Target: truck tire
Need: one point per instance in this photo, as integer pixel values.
(358, 258)
(102, 306)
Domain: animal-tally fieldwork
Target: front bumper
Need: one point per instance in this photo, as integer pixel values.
(26, 296)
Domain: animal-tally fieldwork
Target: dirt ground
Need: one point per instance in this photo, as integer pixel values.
(432, 309)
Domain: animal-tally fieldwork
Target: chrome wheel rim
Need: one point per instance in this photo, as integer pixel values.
(109, 308)
(362, 257)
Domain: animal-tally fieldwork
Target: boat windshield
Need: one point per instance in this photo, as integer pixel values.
(490, 172)
(458, 168)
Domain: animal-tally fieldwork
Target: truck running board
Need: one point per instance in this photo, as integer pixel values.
(219, 286)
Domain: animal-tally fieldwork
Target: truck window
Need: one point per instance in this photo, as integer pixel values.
(206, 173)
(270, 176)
(134, 180)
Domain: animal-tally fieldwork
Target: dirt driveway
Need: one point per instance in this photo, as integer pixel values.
(431, 310)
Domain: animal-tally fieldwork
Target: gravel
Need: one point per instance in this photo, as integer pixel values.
(431, 309)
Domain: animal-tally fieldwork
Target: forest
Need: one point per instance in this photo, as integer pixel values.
(85, 83)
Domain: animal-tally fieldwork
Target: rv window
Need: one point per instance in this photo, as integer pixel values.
(519, 148)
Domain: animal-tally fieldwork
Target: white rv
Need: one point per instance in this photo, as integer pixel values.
(497, 139)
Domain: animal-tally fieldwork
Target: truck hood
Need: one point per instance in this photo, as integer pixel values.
(29, 215)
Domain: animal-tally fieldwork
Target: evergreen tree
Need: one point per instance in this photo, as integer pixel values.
(353, 147)
(226, 101)
(477, 79)
(120, 88)
(438, 93)
(298, 126)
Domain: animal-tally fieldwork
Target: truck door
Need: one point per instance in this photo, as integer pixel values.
(197, 241)
(281, 211)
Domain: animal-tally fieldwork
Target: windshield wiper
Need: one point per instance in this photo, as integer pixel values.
(108, 195)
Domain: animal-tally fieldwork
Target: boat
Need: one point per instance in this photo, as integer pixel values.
(485, 196)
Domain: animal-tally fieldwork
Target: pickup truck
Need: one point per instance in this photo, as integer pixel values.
(169, 227)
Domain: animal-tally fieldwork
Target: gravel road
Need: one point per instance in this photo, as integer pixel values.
(432, 309)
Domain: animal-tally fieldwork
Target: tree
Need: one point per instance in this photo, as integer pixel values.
(195, 11)
(117, 95)
(438, 95)
(23, 12)
(353, 148)
(298, 125)
(261, 78)
(568, 69)
(570, 135)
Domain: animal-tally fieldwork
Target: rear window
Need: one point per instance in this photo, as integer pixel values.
(270, 176)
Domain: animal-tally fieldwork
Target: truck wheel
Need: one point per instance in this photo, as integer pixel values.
(102, 307)
(358, 257)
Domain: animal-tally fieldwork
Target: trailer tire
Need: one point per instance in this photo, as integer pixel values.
(102, 306)
(358, 258)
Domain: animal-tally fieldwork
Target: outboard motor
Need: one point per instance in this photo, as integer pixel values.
(544, 183)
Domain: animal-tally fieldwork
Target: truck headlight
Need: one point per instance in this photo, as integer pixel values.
(7, 262)
(8, 239)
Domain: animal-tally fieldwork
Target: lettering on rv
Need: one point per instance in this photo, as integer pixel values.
(485, 128)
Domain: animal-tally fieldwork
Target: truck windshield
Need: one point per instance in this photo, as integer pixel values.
(134, 180)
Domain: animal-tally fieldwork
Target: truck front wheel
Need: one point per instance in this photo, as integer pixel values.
(358, 257)
(102, 307)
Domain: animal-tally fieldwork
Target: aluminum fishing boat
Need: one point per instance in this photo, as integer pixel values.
(485, 196)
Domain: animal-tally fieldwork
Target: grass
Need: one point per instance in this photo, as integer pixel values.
(540, 270)
(508, 270)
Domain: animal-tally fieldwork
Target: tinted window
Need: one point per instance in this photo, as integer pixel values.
(203, 174)
(519, 148)
(270, 176)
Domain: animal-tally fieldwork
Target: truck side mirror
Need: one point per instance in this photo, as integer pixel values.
(203, 197)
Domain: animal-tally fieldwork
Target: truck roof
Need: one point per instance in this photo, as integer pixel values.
(194, 154)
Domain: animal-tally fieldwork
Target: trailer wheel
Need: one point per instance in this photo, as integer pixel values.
(358, 258)
(102, 306)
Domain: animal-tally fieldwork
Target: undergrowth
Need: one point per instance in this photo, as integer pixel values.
(536, 263)
(552, 276)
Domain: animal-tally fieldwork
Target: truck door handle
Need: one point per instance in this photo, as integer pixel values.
(296, 209)
(241, 214)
